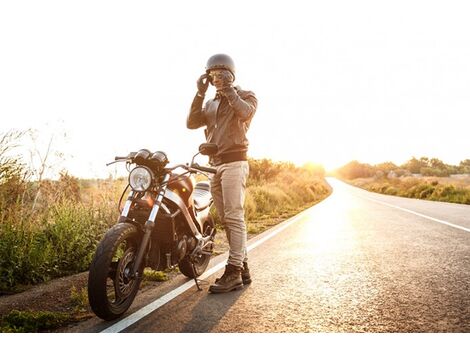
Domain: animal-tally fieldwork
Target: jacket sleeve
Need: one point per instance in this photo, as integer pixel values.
(196, 117)
(243, 102)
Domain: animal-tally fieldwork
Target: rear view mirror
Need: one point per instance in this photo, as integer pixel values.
(208, 149)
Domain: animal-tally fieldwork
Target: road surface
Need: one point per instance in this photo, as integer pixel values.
(356, 262)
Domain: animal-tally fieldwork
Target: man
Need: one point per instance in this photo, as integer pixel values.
(227, 118)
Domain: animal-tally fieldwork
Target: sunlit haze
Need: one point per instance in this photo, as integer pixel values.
(336, 80)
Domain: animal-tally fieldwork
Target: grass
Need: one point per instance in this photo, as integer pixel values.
(79, 299)
(429, 188)
(154, 275)
(30, 321)
(56, 242)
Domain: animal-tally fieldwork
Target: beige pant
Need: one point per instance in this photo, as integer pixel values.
(228, 190)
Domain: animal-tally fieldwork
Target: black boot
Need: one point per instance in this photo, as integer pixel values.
(246, 277)
(230, 280)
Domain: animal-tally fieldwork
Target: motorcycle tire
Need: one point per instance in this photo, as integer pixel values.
(110, 291)
(201, 263)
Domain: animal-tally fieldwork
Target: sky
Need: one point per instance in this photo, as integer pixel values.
(336, 81)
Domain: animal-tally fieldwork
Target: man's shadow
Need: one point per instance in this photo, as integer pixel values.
(210, 309)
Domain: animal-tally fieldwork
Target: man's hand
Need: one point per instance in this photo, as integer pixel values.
(227, 91)
(202, 84)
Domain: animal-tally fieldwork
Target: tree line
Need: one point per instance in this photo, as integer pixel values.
(424, 166)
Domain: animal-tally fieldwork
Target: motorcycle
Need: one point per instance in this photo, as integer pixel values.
(165, 222)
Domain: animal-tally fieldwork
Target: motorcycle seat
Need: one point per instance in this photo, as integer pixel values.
(202, 195)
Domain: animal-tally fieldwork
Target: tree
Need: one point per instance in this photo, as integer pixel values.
(464, 166)
(437, 164)
(414, 165)
(386, 167)
(355, 169)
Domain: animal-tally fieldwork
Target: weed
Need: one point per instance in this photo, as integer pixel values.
(29, 321)
(154, 275)
(79, 299)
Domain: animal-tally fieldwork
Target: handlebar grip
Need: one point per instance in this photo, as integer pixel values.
(204, 168)
(130, 156)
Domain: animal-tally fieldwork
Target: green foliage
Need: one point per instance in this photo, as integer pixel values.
(279, 188)
(438, 172)
(418, 188)
(79, 299)
(433, 167)
(60, 241)
(386, 167)
(154, 275)
(423, 165)
(264, 170)
(464, 166)
(26, 321)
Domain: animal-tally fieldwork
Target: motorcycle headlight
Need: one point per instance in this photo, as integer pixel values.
(140, 179)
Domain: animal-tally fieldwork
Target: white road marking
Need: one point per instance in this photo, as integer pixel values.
(144, 311)
(418, 214)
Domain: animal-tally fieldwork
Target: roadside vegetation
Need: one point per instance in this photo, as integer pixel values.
(423, 178)
(30, 321)
(50, 228)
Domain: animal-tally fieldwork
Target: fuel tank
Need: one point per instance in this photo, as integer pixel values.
(183, 186)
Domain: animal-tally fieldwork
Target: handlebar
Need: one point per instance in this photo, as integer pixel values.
(191, 168)
(204, 168)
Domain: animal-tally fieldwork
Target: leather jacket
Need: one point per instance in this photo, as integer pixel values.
(227, 119)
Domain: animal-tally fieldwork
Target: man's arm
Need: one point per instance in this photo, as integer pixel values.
(244, 105)
(196, 117)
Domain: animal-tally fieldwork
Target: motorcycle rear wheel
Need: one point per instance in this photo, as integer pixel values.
(111, 290)
(201, 262)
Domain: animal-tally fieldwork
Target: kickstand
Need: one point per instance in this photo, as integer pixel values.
(195, 278)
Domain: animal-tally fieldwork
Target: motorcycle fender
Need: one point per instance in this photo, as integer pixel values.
(203, 216)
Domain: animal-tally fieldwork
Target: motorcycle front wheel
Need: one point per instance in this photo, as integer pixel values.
(111, 289)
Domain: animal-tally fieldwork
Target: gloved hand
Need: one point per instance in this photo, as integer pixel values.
(202, 84)
(227, 80)
(230, 94)
(227, 91)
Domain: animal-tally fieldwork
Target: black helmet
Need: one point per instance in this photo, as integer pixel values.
(220, 61)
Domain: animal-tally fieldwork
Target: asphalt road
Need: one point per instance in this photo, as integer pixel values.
(356, 262)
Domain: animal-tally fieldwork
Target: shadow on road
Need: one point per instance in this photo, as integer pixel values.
(208, 311)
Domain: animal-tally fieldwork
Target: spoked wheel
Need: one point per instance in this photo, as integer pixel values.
(202, 260)
(111, 288)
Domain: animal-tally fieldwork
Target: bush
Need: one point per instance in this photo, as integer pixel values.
(418, 188)
(59, 242)
(429, 171)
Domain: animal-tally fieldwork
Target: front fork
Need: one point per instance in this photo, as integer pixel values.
(149, 225)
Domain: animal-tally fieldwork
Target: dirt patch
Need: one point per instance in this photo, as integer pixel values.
(54, 296)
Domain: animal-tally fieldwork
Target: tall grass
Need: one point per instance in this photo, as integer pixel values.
(57, 238)
(287, 189)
